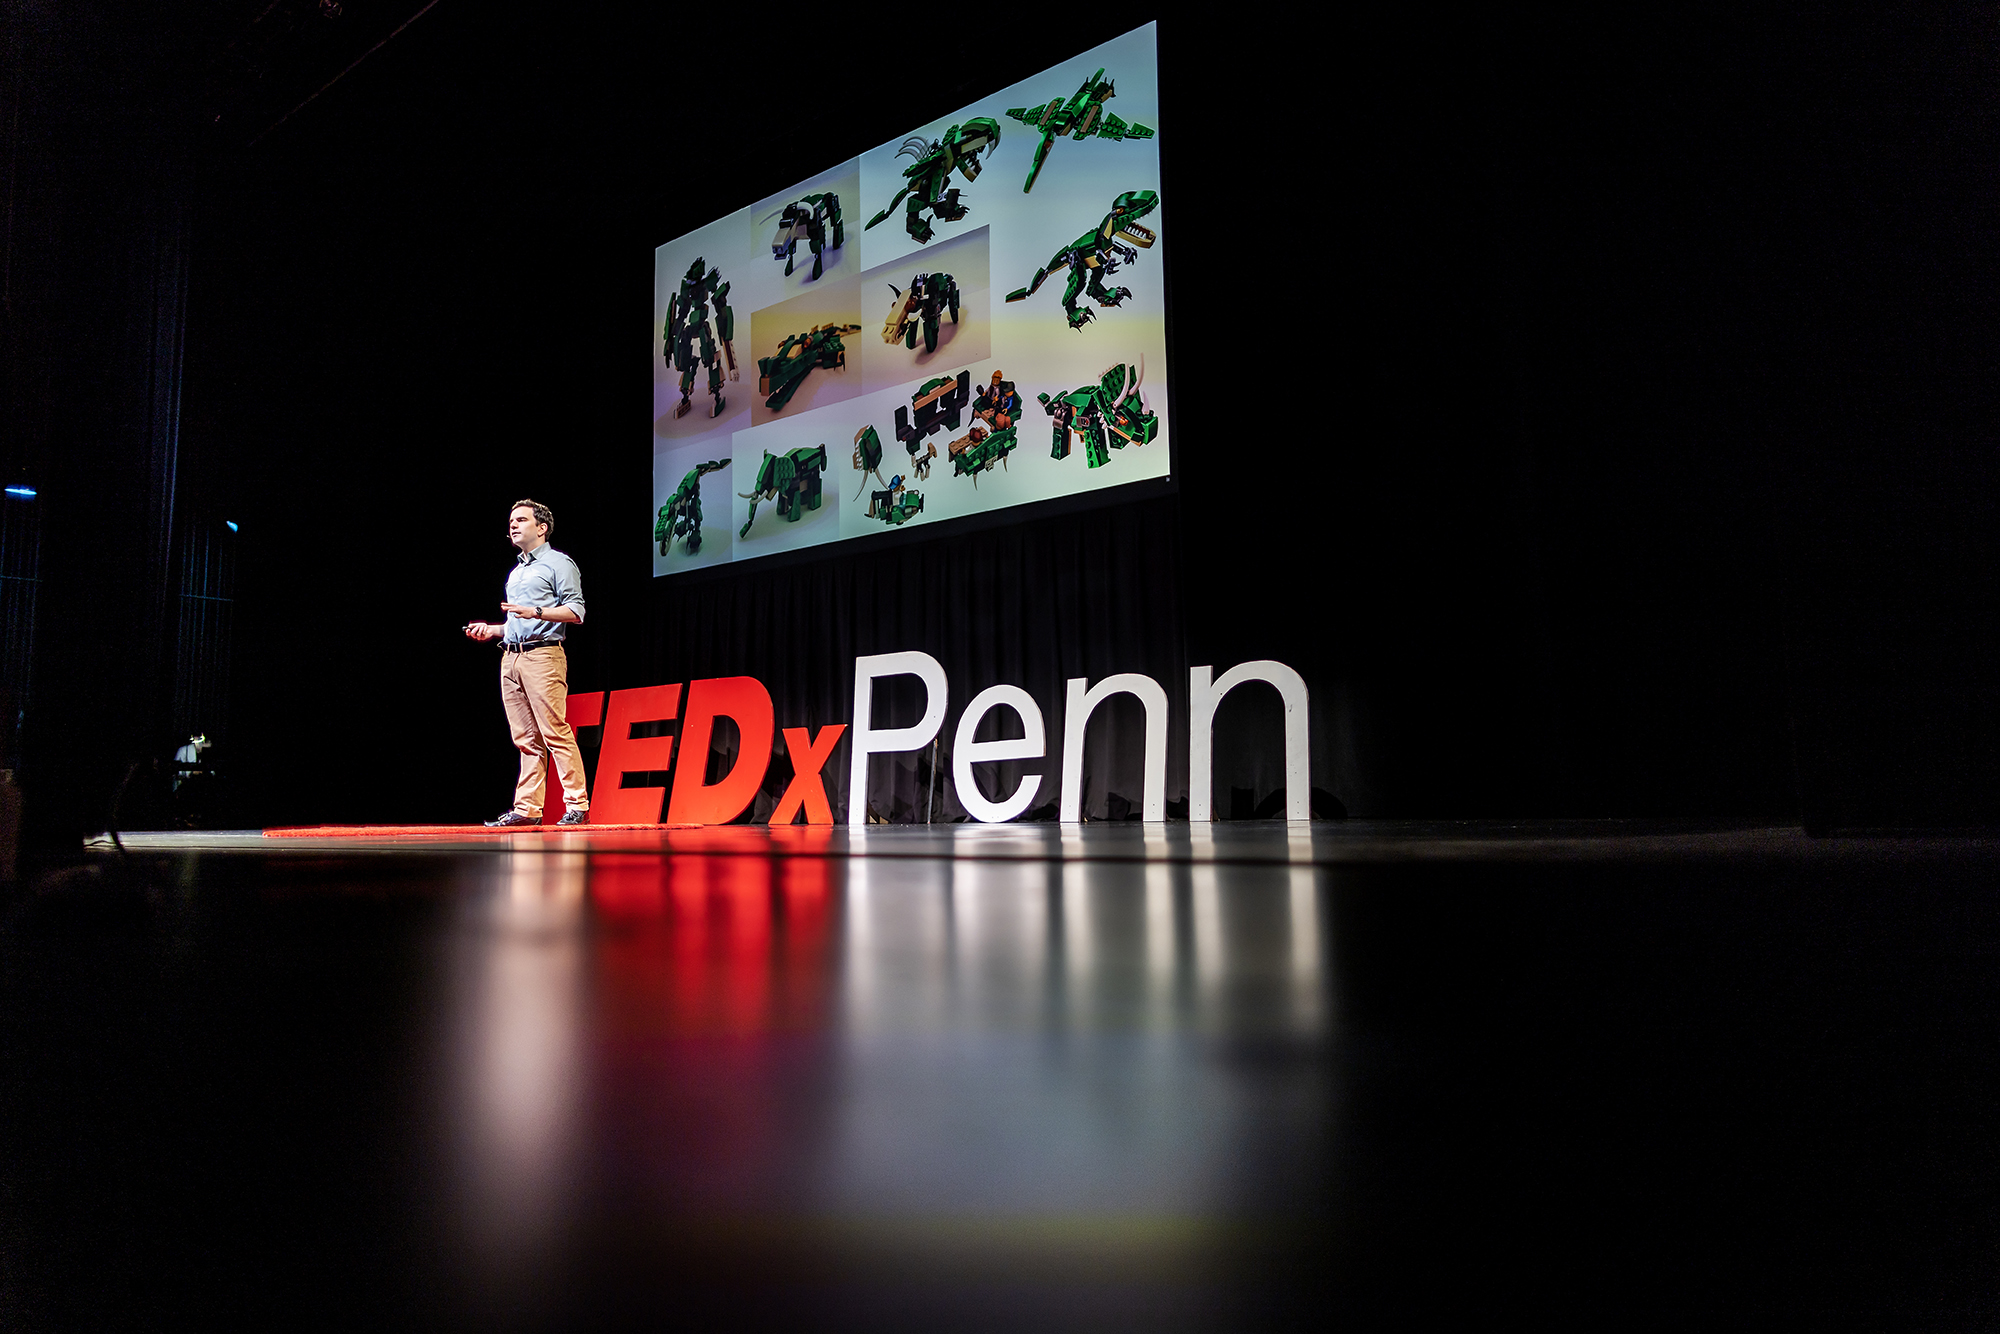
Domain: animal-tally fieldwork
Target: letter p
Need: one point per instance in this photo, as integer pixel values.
(866, 740)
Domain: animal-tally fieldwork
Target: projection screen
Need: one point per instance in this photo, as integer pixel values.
(967, 319)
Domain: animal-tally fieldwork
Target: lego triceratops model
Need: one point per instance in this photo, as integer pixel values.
(929, 296)
(939, 405)
(691, 337)
(791, 479)
(895, 504)
(1081, 117)
(818, 348)
(1097, 254)
(924, 179)
(808, 220)
(681, 515)
(1109, 411)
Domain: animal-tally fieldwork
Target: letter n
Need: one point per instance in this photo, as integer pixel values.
(1202, 701)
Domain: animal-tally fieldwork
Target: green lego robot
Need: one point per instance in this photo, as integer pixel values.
(895, 504)
(791, 479)
(1096, 254)
(930, 295)
(808, 220)
(692, 338)
(818, 348)
(681, 515)
(924, 179)
(1109, 411)
(1081, 117)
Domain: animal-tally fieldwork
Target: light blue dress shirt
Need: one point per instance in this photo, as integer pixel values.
(543, 577)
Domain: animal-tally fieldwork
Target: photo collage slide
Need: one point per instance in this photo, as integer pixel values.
(969, 318)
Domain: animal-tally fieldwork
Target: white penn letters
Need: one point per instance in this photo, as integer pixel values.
(966, 752)
(864, 740)
(1204, 695)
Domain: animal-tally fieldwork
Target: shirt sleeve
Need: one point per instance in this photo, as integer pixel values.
(568, 587)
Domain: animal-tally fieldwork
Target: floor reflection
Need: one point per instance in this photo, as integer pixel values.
(1007, 1078)
(1084, 1050)
(518, 1045)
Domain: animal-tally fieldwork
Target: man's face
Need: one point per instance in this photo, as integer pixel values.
(523, 531)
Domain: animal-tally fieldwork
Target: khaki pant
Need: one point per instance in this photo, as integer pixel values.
(535, 688)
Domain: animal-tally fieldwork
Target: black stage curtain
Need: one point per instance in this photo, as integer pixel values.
(100, 196)
(1030, 604)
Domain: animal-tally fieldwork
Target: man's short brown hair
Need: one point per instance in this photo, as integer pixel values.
(543, 514)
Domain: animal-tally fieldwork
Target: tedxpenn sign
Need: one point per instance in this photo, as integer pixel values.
(745, 701)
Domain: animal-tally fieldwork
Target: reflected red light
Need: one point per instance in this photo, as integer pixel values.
(709, 944)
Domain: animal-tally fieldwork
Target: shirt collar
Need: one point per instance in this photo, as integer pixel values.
(528, 557)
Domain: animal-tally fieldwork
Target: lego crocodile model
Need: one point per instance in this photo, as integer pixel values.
(818, 348)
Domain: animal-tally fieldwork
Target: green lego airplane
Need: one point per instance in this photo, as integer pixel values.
(1078, 118)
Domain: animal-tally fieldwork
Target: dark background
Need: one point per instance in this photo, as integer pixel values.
(1630, 453)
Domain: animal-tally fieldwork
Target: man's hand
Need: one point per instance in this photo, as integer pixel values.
(483, 632)
(534, 613)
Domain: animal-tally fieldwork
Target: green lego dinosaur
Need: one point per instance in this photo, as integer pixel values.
(681, 515)
(924, 180)
(1109, 411)
(1078, 117)
(1098, 253)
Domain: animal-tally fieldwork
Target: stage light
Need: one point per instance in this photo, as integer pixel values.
(230, 524)
(23, 492)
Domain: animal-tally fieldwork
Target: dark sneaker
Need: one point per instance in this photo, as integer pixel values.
(575, 817)
(508, 819)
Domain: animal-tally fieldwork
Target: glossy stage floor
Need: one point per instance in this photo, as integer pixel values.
(1116, 1076)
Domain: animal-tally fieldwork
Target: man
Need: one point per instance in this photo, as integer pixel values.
(544, 594)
